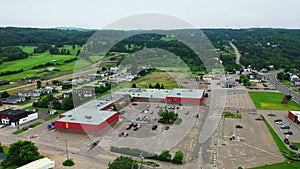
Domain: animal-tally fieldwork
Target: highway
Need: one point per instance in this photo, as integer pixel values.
(282, 88)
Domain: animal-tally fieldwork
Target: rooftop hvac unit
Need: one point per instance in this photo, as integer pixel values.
(88, 116)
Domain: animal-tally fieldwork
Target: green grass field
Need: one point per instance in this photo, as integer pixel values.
(42, 58)
(156, 77)
(283, 165)
(271, 101)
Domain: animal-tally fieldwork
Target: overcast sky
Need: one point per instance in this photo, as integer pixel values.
(200, 13)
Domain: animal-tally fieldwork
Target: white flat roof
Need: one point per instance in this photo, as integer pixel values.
(162, 93)
(91, 113)
(44, 163)
(186, 93)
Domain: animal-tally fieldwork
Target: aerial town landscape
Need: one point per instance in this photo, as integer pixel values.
(146, 96)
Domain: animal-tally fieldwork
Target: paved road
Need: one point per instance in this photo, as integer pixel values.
(282, 88)
(237, 54)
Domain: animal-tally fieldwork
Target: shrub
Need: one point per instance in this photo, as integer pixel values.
(68, 162)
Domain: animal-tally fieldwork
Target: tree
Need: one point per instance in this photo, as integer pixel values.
(78, 52)
(67, 103)
(38, 84)
(157, 86)
(178, 157)
(133, 85)
(150, 86)
(162, 86)
(103, 68)
(165, 155)
(124, 163)
(22, 152)
(4, 94)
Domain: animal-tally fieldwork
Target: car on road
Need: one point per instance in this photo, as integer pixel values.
(135, 129)
(277, 120)
(238, 126)
(286, 141)
(288, 133)
(293, 147)
(259, 119)
(285, 127)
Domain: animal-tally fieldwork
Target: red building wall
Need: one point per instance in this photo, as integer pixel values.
(293, 117)
(184, 100)
(86, 127)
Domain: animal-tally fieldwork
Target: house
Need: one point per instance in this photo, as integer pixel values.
(84, 92)
(4, 82)
(296, 84)
(17, 117)
(14, 99)
(294, 78)
(32, 79)
(66, 94)
(29, 93)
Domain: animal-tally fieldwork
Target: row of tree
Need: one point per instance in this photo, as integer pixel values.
(51, 101)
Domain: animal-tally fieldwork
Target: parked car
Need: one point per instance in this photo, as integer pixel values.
(187, 112)
(285, 127)
(277, 120)
(293, 147)
(167, 128)
(288, 133)
(154, 127)
(135, 129)
(2, 126)
(134, 104)
(197, 115)
(123, 134)
(238, 126)
(259, 119)
(286, 141)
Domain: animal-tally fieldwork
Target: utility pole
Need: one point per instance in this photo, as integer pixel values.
(67, 153)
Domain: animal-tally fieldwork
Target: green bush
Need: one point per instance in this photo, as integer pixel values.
(68, 162)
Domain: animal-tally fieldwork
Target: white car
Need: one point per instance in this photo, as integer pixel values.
(279, 122)
(2, 126)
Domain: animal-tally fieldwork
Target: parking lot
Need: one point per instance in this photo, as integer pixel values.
(164, 137)
(254, 145)
(285, 121)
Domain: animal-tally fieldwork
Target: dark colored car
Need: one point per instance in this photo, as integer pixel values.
(293, 147)
(135, 129)
(259, 119)
(167, 128)
(154, 127)
(123, 134)
(238, 126)
(286, 141)
(277, 120)
(288, 133)
(285, 127)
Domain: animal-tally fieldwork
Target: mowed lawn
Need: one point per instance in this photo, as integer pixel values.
(42, 58)
(283, 165)
(157, 77)
(271, 101)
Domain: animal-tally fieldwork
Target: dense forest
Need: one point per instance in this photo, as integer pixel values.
(259, 47)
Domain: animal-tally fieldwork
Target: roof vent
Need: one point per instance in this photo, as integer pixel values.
(178, 93)
(88, 116)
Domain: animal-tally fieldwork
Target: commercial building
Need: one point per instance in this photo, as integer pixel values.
(43, 163)
(95, 116)
(17, 117)
(294, 116)
(99, 114)
(174, 96)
